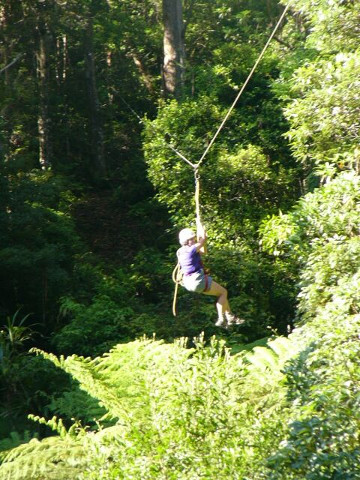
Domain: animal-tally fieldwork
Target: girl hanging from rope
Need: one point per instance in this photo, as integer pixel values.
(196, 280)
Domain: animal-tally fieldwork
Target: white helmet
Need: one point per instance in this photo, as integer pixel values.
(185, 235)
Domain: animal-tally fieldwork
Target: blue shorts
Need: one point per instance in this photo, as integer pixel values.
(196, 282)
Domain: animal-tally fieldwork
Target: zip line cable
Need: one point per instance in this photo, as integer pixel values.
(11, 63)
(179, 154)
(243, 87)
(182, 156)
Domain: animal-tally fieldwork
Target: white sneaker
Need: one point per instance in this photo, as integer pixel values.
(221, 322)
(233, 319)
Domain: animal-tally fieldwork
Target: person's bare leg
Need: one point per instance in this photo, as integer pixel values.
(223, 306)
(222, 303)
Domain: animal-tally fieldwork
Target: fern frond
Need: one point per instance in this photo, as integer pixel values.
(262, 359)
(271, 357)
(58, 362)
(84, 370)
(54, 458)
(14, 440)
(78, 404)
(284, 347)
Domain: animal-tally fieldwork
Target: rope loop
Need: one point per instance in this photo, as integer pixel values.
(177, 279)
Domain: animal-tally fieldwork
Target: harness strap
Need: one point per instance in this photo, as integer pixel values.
(206, 282)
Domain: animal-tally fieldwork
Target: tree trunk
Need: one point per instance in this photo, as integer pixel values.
(97, 136)
(5, 43)
(61, 63)
(45, 146)
(174, 50)
(143, 73)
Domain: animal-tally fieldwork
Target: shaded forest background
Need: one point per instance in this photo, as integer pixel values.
(92, 198)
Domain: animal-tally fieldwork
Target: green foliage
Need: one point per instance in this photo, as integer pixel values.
(116, 308)
(41, 254)
(324, 117)
(322, 234)
(329, 213)
(323, 107)
(54, 458)
(28, 386)
(37, 243)
(238, 184)
(94, 328)
(323, 436)
(12, 339)
(13, 440)
(75, 403)
(333, 24)
(180, 413)
(284, 411)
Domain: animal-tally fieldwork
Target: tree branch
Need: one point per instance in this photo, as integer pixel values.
(11, 63)
(290, 47)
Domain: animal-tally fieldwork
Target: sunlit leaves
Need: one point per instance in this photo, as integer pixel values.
(325, 116)
(180, 413)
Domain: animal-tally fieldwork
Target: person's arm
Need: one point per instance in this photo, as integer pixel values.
(201, 238)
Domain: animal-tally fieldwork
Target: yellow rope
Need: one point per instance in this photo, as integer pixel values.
(177, 278)
(197, 205)
(197, 198)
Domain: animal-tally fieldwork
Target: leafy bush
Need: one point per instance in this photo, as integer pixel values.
(322, 234)
(117, 308)
(95, 328)
(179, 412)
(323, 437)
(321, 95)
(37, 244)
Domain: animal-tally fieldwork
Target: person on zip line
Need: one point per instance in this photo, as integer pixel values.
(196, 280)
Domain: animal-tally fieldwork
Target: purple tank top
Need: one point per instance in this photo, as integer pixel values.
(189, 259)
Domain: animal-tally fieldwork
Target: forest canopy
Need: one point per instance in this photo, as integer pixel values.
(98, 380)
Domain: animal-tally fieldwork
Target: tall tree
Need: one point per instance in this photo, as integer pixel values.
(97, 134)
(174, 49)
(44, 127)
